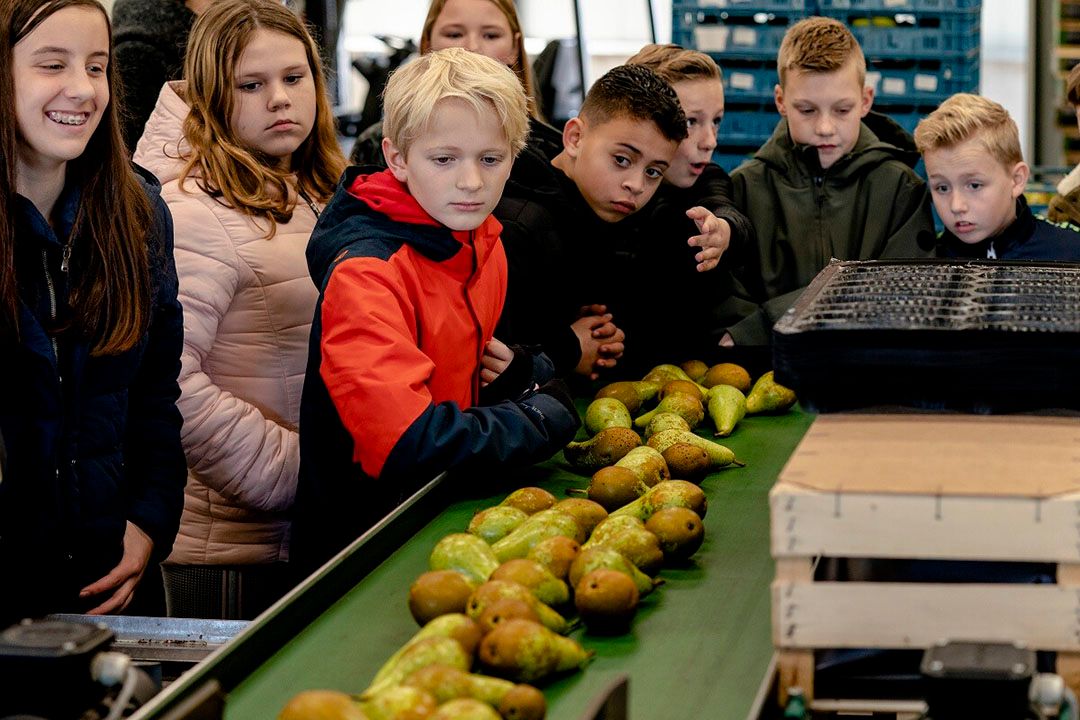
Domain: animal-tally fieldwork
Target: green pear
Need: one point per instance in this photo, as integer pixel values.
(663, 374)
(322, 705)
(530, 500)
(602, 556)
(399, 701)
(547, 588)
(606, 412)
(601, 450)
(630, 393)
(665, 421)
(647, 464)
(465, 709)
(727, 406)
(685, 406)
(719, 456)
(670, 493)
(556, 554)
(627, 535)
(696, 369)
(526, 651)
(587, 512)
(541, 526)
(456, 626)
(431, 650)
(612, 525)
(468, 554)
(767, 395)
(494, 523)
(446, 683)
(494, 590)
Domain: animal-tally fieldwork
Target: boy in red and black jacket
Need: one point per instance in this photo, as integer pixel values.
(404, 377)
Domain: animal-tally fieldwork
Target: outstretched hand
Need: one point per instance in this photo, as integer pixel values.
(124, 578)
(713, 238)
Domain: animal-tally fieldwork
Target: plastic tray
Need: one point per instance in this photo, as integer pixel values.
(732, 32)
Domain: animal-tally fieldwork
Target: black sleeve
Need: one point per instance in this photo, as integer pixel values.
(368, 147)
(142, 69)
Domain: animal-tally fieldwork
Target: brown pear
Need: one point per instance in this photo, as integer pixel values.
(556, 554)
(679, 531)
(506, 609)
(606, 600)
(601, 450)
(526, 651)
(674, 387)
(322, 705)
(547, 588)
(686, 461)
(615, 486)
(531, 500)
(438, 592)
(727, 374)
(588, 513)
(696, 369)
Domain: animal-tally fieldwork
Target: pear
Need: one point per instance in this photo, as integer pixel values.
(688, 407)
(455, 626)
(671, 493)
(467, 554)
(542, 525)
(587, 512)
(494, 523)
(679, 531)
(615, 486)
(727, 374)
(322, 705)
(601, 450)
(686, 461)
(627, 535)
(666, 373)
(601, 556)
(505, 609)
(438, 592)
(767, 395)
(465, 709)
(606, 600)
(665, 421)
(547, 588)
(530, 500)
(648, 464)
(556, 554)
(696, 369)
(431, 650)
(727, 406)
(686, 387)
(523, 702)
(447, 683)
(612, 525)
(494, 590)
(400, 702)
(631, 394)
(526, 651)
(606, 412)
(719, 456)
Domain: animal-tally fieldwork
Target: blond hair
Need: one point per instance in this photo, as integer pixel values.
(1072, 85)
(675, 63)
(224, 168)
(819, 44)
(412, 93)
(521, 66)
(965, 117)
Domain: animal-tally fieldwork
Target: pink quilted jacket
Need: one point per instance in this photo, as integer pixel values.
(248, 305)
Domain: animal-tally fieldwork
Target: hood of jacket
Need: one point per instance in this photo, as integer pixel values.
(800, 165)
(371, 203)
(162, 143)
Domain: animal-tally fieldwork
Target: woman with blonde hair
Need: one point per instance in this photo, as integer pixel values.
(247, 151)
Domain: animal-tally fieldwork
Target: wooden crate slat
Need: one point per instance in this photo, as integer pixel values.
(918, 615)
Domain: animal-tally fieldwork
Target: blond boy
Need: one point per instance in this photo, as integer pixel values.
(412, 279)
(977, 176)
(824, 185)
(1065, 206)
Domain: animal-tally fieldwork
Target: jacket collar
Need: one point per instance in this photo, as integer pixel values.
(1004, 243)
(800, 162)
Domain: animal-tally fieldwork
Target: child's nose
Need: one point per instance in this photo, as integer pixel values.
(957, 204)
(825, 125)
(707, 141)
(469, 178)
(79, 86)
(279, 98)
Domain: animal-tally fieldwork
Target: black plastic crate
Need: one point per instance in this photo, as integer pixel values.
(975, 336)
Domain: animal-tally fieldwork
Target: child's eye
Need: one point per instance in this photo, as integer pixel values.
(622, 161)
(806, 111)
(52, 66)
(843, 111)
(975, 185)
(451, 34)
(249, 86)
(654, 173)
(493, 36)
(442, 159)
(293, 79)
(491, 160)
(691, 122)
(96, 69)
(717, 120)
(940, 189)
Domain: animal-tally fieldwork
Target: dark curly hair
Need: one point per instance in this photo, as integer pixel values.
(636, 92)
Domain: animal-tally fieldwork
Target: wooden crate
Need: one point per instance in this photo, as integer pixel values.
(947, 487)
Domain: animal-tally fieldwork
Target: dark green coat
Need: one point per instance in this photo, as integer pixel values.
(869, 205)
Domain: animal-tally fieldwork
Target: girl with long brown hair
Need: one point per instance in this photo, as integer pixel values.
(247, 151)
(90, 327)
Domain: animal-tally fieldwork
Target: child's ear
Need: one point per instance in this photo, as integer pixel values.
(395, 160)
(867, 100)
(1019, 177)
(778, 97)
(572, 135)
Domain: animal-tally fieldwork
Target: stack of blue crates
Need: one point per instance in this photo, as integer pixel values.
(918, 53)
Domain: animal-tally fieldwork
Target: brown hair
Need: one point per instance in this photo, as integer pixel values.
(819, 44)
(110, 293)
(1072, 85)
(964, 117)
(521, 66)
(223, 168)
(637, 93)
(675, 63)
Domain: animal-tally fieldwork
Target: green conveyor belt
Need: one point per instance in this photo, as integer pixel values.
(699, 646)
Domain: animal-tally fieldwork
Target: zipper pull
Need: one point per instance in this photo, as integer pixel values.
(65, 261)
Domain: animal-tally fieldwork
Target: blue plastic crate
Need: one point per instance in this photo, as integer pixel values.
(739, 32)
(748, 81)
(915, 85)
(731, 160)
(751, 6)
(914, 35)
(749, 124)
(826, 6)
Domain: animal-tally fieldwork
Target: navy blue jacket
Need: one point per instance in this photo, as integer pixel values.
(1027, 238)
(92, 442)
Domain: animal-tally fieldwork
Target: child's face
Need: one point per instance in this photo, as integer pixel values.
(618, 164)
(273, 95)
(476, 25)
(974, 194)
(61, 90)
(824, 109)
(703, 103)
(457, 167)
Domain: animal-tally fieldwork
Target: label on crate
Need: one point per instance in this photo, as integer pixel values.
(925, 83)
(741, 81)
(897, 3)
(711, 38)
(893, 86)
(744, 36)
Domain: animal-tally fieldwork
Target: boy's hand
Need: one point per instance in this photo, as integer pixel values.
(601, 343)
(714, 238)
(123, 578)
(496, 359)
(727, 340)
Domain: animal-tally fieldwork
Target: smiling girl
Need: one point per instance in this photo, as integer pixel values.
(247, 151)
(90, 327)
